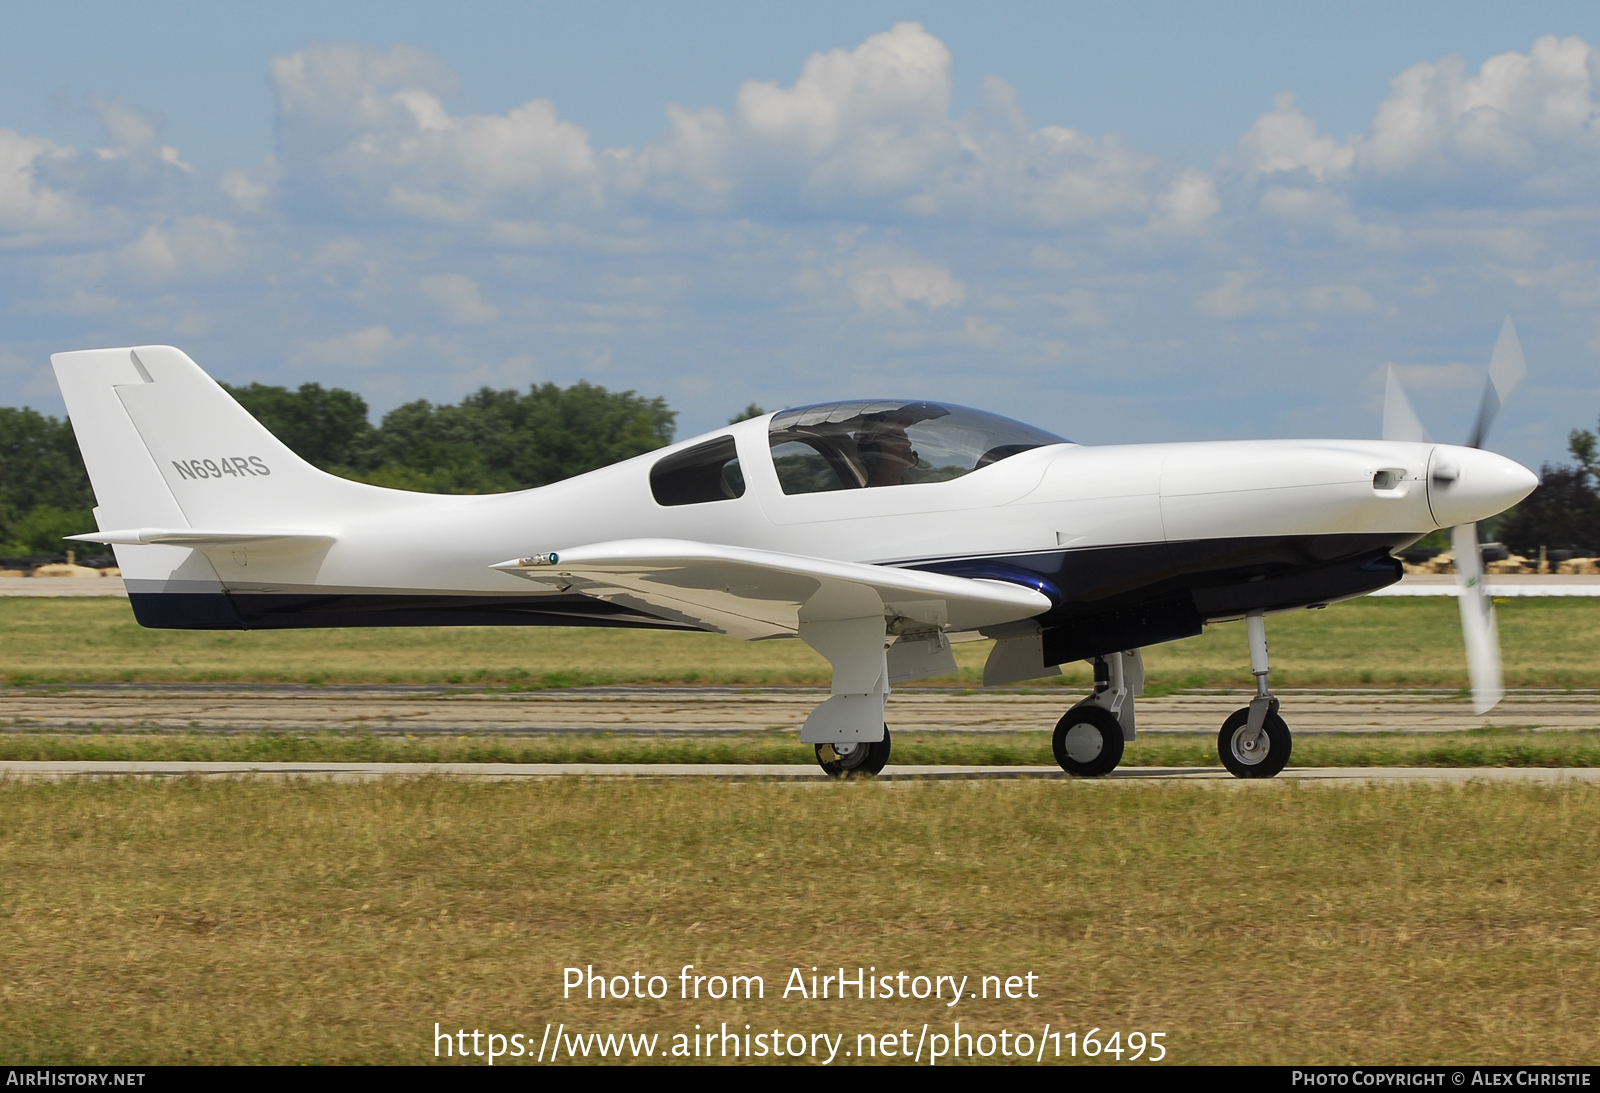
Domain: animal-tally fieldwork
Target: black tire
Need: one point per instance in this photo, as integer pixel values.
(1243, 765)
(1088, 742)
(864, 758)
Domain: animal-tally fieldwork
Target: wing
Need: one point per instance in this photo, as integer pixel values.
(200, 537)
(754, 594)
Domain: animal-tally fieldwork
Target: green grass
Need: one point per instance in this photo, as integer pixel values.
(1495, 749)
(1397, 642)
(246, 922)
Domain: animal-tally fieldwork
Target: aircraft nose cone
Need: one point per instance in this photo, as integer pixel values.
(1466, 485)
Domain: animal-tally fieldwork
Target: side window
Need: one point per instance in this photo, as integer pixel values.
(706, 472)
(802, 468)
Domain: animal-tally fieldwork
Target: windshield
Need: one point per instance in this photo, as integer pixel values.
(886, 442)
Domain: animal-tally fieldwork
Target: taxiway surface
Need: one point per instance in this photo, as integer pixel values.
(701, 711)
(501, 772)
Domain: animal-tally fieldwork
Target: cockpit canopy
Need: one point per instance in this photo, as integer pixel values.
(888, 442)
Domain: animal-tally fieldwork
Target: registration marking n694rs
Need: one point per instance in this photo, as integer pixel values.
(227, 466)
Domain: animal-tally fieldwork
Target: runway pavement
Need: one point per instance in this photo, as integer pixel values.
(63, 586)
(500, 772)
(702, 711)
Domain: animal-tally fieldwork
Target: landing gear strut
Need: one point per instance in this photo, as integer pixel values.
(843, 758)
(1255, 741)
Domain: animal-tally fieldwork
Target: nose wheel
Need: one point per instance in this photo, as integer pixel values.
(844, 758)
(1255, 742)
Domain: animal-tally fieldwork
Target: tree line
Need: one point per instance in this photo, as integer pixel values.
(490, 442)
(1564, 512)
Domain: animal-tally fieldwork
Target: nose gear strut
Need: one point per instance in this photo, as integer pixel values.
(1255, 741)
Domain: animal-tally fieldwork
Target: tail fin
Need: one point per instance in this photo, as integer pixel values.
(219, 465)
(167, 448)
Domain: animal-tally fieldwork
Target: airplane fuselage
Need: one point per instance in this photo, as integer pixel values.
(1133, 544)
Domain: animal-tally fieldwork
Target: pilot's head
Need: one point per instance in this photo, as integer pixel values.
(887, 455)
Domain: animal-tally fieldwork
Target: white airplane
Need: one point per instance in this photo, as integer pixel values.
(878, 532)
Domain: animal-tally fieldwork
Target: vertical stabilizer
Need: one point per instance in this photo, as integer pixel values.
(129, 491)
(166, 447)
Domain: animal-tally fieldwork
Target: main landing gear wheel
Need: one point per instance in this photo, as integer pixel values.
(854, 757)
(1262, 758)
(1088, 742)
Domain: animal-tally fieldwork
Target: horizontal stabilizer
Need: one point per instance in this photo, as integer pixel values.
(198, 537)
(760, 593)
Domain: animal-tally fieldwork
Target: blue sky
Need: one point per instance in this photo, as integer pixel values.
(1132, 222)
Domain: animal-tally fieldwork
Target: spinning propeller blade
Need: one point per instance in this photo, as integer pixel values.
(1400, 422)
(1506, 369)
(1477, 620)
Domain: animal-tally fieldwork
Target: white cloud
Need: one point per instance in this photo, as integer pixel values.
(458, 295)
(193, 244)
(1083, 307)
(252, 189)
(981, 332)
(1286, 141)
(129, 128)
(1235, 297)
(133, 132)
(342, 128)
(1520, 112)
(24, 202)
(1525, 125)
(862, 128)
(1189, 203)
(899, 80)
(1348, 299)
(364, 348)
(871, 128)
(891, 288)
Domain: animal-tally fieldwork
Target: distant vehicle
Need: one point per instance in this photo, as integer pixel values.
(877, 531)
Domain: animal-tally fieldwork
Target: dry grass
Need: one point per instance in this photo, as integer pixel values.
(149, 922)
(1401, 642)
(1479, 748)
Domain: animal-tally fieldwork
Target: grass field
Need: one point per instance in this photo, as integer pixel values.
(1396, 642)
(232, 922)
(1493, 747)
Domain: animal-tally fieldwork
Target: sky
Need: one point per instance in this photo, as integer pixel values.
(1123, 223)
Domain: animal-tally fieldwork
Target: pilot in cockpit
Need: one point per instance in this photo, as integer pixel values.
(886, 454)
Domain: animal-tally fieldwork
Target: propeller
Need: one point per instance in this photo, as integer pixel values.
(1507, 367)
(1400, 421)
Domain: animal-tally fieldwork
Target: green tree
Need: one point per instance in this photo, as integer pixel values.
(753, 410)
(327, 427)
(1582, 444)
(1564, 512)
(39, 466)
(503, 440)
(41, 531)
